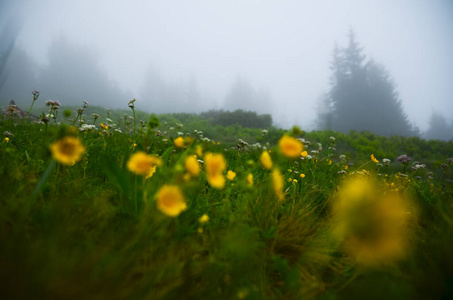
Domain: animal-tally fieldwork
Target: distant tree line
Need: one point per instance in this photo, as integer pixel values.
(247, 119)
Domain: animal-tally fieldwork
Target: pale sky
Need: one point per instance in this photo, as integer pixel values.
(283, 46)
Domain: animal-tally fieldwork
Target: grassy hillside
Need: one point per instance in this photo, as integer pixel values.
(181, 209)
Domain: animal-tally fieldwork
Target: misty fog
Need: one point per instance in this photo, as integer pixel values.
(273, 57)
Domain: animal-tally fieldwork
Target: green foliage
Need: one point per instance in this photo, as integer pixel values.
(93, 229)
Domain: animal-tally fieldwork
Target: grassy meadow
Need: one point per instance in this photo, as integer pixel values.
(99, 204)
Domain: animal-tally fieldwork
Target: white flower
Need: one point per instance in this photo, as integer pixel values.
(86, 127)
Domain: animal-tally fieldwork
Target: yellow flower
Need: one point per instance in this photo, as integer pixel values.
(105, 126)
(374, 158)
(199, 151)
(179, 142)
(67, 150)
(170, 200)
(277, 183)
(231, 175)
(330, 162)
(295, 180)
(6, 140)
(151, 172)
(302, 175)
(141, 163)
(266, 160)
(304, 154)
(192, 166)
(203, 219)
(346, 167)
(215, 164)
(374, 226)
(250, 179)
(290, 147)
(216, 180)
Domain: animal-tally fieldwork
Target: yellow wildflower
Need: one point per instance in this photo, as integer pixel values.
(199, 151)
(374, 158)
(215, 164)
(266, 160)
(374, 226)
(151, 172)
(105, 126)
(277, 183)
(330, 162)
(67, 150)
(141, 163)
(304, 154)
(170, 200)
(203, 219)
(302, 175)
(346, 167)
(290, 146)
(192, 166)
(179, 142)
(231, 175)
(295, 180)
(6, 140)
(250, 179)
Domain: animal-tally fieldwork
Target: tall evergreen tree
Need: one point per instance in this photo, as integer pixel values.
(363, 96)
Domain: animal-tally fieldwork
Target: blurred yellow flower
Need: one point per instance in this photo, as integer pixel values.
(374, 226)
(295, 180)
(250, 179)
(277, 183)
(216, 180)
(179, 142)
(203, 219)
(199, 151)
(302, 175)
(151, 172)
(374, 158)
(141, 163)
(266, 160)
(215, 164)
(231, 175)
(346, 167)
(105, 126)
(192, 166)
(304, 154)
(170, 200)
(6, 140)
(290, 146)
(67, 150)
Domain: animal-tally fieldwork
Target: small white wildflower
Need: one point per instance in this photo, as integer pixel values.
(87, 127)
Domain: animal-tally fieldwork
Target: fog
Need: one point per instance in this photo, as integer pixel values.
(277, 52)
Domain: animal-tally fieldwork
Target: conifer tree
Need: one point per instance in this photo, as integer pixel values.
(363, 96)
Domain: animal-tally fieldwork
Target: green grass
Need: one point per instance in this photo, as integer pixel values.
(92, 230)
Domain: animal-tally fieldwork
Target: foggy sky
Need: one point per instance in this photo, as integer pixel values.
(283, 46)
